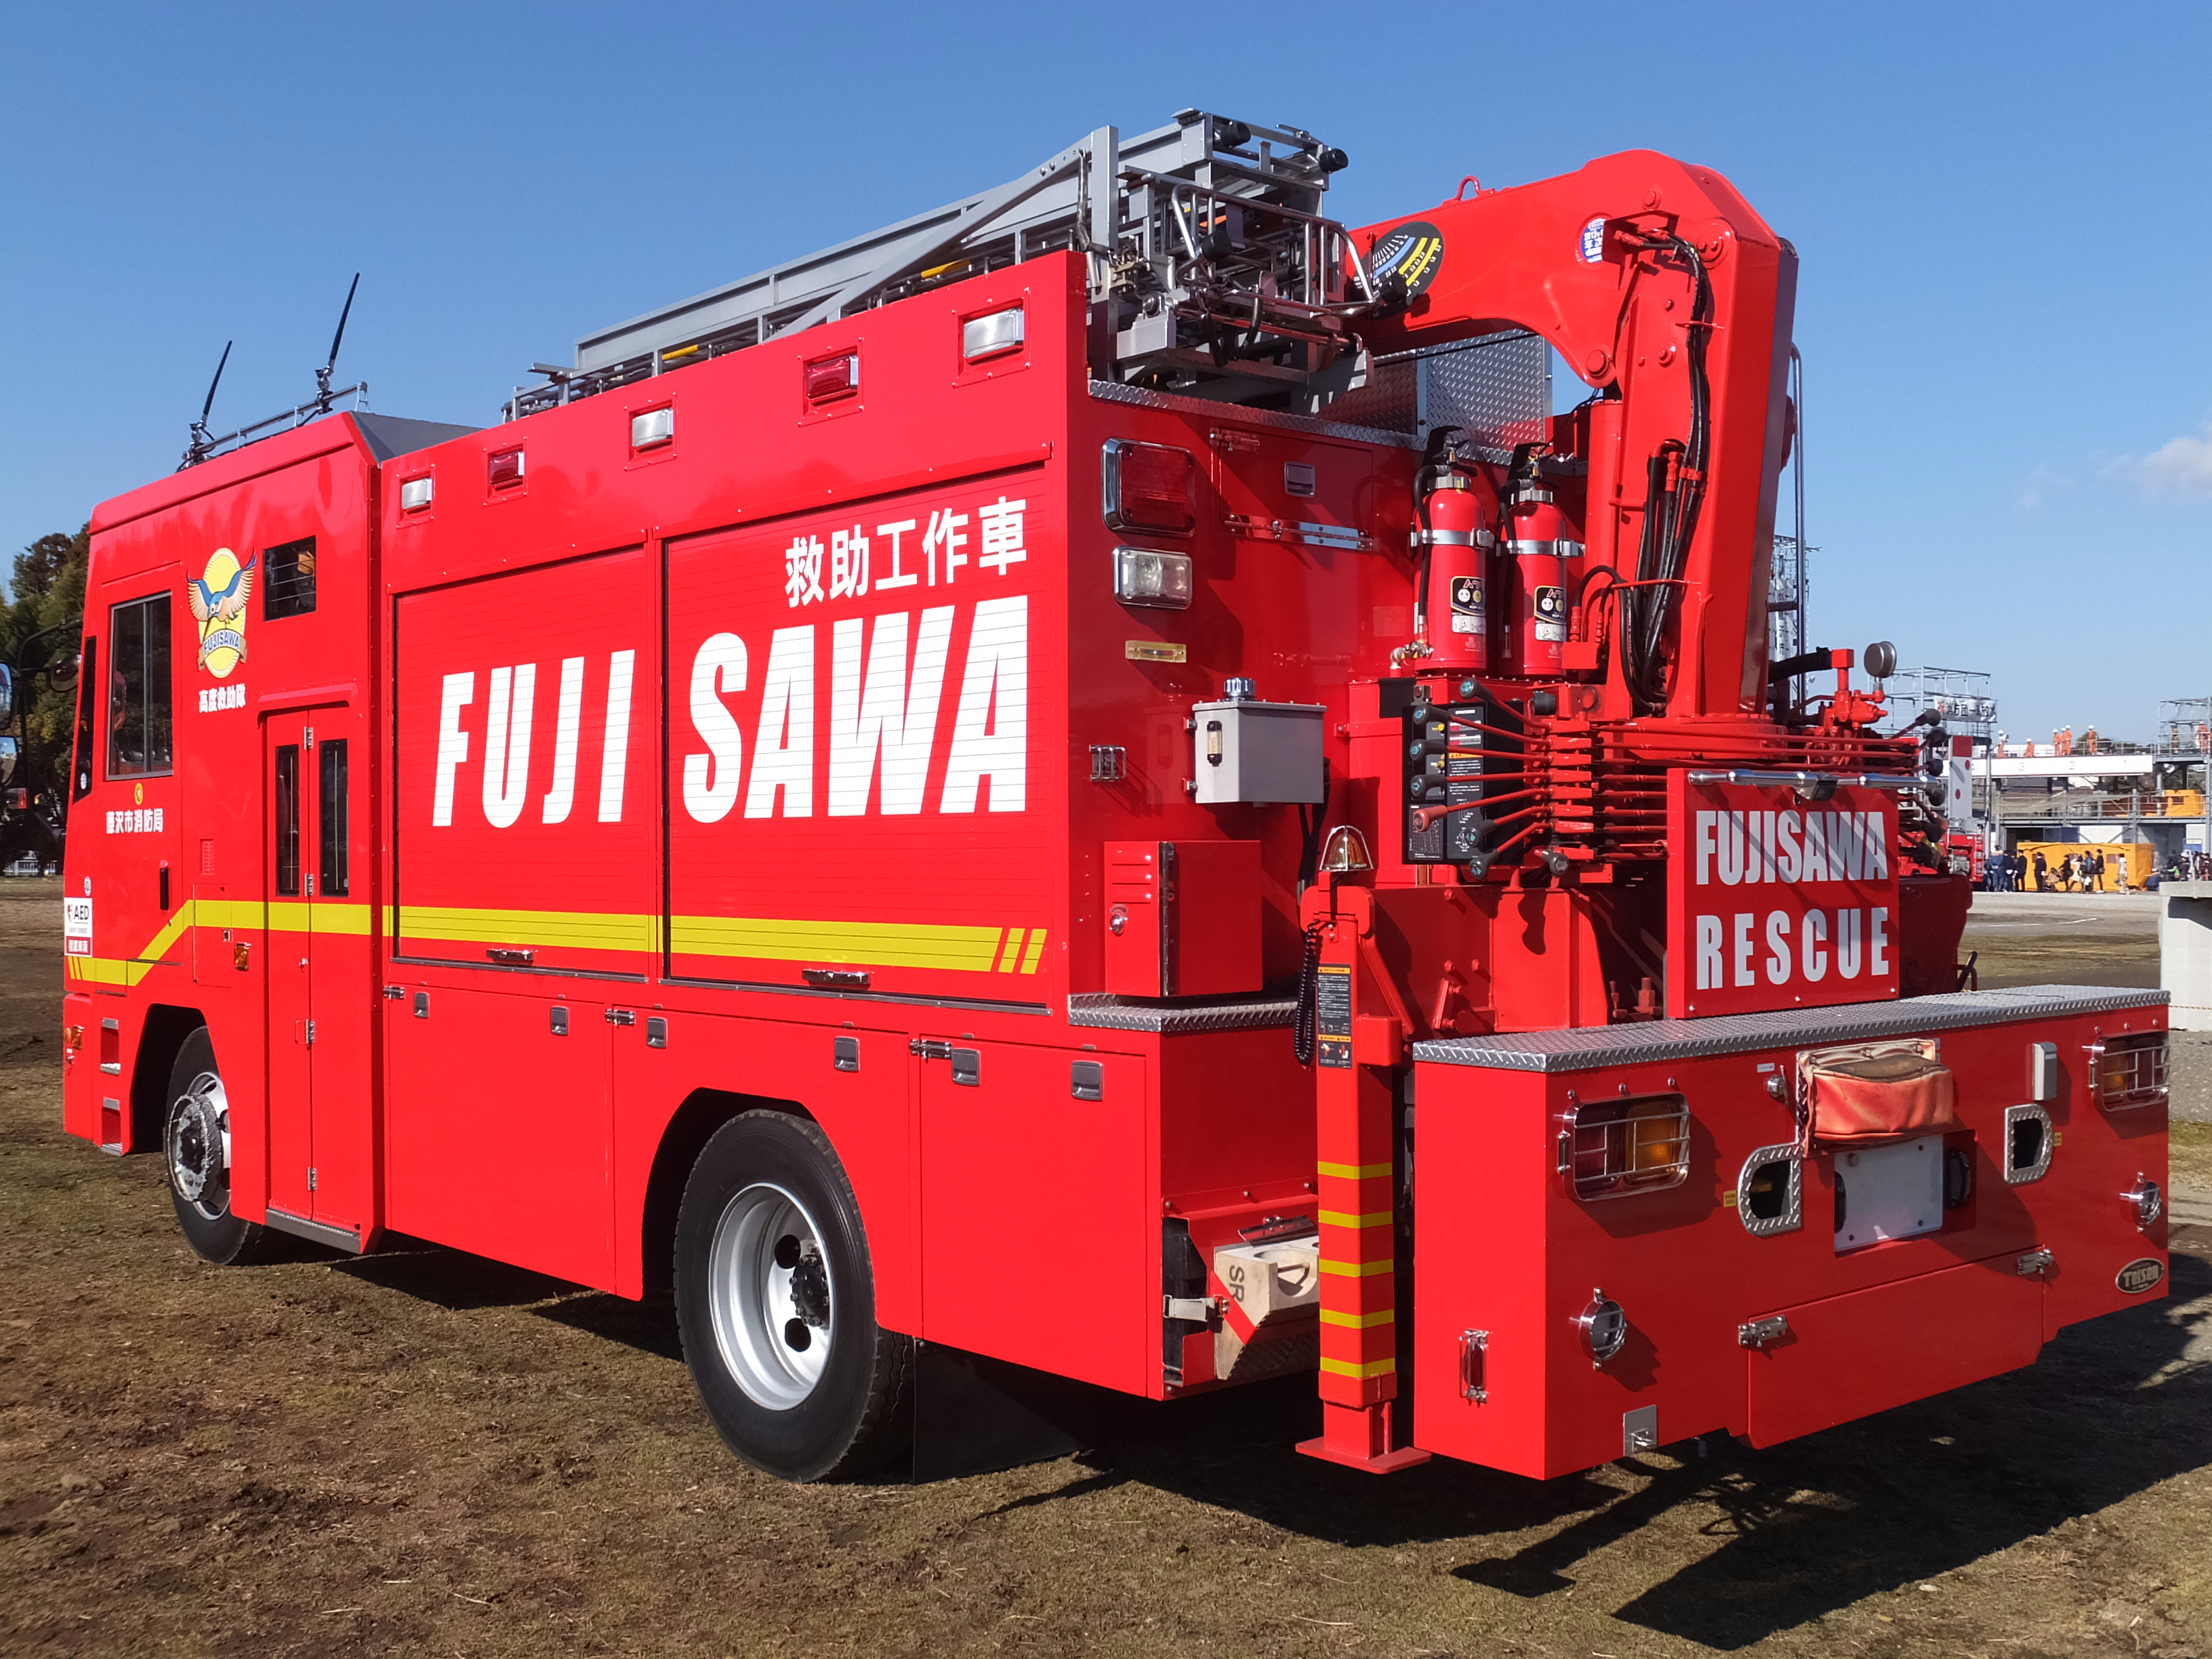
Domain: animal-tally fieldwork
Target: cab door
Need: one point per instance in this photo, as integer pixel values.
(319, 1157)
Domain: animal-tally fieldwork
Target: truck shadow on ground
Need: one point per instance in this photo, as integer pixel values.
(457, 1280)
(1781, 1536)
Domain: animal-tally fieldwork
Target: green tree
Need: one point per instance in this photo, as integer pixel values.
(47, 589)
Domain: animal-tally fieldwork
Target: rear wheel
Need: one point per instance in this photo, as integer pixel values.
(776, 1298)
(195, 1145)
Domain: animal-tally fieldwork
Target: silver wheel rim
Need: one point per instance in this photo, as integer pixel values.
(196, 1142)
(770, 1291)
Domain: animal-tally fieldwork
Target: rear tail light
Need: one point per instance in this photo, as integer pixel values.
(989, 336)
(829, 379)
(1617, 1147)
(2130, 1070)
(1142, 576)
(1151, 487)
(503, 468)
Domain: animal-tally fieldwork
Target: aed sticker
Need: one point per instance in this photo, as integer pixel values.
(76, 926)
(2144, 1273)
(1412, 253)
(1592, 241)
(1551, 613)
(1466, 605)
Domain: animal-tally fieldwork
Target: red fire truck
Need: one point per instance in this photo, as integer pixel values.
(1111, 718)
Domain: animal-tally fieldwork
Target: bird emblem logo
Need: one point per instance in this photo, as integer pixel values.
(218, 599)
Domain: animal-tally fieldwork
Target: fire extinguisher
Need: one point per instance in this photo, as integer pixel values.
(1547, 557)
(1456, 544)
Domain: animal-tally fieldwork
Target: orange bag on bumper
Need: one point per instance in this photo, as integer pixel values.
(1874, 1092)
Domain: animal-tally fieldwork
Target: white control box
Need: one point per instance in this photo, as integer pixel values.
(1256, 752)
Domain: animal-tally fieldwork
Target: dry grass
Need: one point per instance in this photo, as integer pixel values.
(428, 1454)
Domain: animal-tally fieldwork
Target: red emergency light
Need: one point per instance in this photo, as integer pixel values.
(829, 379)
(1151, 487)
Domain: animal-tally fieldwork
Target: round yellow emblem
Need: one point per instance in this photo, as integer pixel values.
(218, 599)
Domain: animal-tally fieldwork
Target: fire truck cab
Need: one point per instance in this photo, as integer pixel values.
(1114, 719)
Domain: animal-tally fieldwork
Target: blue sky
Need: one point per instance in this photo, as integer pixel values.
(2002, 214)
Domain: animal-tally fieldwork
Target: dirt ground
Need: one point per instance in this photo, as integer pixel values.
(424, 1453)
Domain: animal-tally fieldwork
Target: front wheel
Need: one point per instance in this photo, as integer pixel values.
(775, 1299)
(195, 1145)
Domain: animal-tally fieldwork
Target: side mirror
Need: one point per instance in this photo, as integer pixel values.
(8, 750)
(1879, 660)
(7, 693)
(61, 673)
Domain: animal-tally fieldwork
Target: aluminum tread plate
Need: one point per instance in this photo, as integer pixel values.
(1591, 1047)
(1112, 1014)
(1114, 392)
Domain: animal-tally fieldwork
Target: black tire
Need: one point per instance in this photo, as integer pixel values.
(195, 1152)
(769, 1249)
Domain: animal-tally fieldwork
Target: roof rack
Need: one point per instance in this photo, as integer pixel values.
(1208, 256)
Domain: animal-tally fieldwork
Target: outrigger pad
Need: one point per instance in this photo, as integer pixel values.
(974, 1416)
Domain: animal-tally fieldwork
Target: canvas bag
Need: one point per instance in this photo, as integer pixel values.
(1861, 1093)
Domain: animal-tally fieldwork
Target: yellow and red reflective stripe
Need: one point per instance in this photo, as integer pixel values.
(1362, 1370)
(1341, 1219)
(1359, 1321)
(949, 947)
(1358, 1269)
(1353, 1171)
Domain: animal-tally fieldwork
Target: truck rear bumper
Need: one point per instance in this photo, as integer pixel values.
(1516, 1260)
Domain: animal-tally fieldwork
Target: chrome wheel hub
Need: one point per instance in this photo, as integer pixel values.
(197, 1141)
(769, 1290)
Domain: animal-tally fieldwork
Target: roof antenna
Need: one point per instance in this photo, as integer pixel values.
(196, 451)
(323, 394)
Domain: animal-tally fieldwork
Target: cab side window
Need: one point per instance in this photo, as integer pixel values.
(87, 717)
(138, 721)
(291, 579)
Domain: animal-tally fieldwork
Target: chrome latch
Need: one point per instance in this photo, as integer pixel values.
(1196, 1309)
(929, 1049)
(2148, 1201)
(1474, 1355)
(621, 1016)
(2034, 1264)
(1758, 1332)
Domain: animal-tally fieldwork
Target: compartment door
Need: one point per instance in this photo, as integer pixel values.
(1850, 1356)
(499, 1130)
(1037, 1245)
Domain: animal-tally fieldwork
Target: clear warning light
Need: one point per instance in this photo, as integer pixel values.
(1142, 576)
(987, 336)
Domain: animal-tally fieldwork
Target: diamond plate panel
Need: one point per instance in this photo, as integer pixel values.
(1498, 388)
(1593, 1047)
(1112, 1014)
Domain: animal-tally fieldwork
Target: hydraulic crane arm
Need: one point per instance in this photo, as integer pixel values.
(1659, 286)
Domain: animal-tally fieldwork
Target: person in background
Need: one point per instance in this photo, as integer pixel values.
(2041, 870)
(2097, 866)
(2120, 884)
